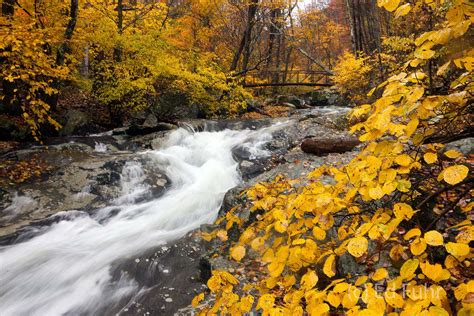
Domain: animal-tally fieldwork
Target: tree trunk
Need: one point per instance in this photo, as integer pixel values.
(248, 33)
(118, 48)
(64, 47)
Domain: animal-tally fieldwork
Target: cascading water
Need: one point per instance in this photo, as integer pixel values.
(66, 269)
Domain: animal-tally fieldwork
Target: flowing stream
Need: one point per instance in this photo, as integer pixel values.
(65, 269)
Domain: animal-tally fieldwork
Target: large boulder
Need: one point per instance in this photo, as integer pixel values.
(318, 98)
(78, 123)
(326, 97)
(321, 146)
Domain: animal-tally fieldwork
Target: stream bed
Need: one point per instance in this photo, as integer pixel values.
(85, 242)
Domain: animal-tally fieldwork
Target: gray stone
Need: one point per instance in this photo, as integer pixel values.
(150, 121)
(288, 105)
(78, 123)
(465, 146)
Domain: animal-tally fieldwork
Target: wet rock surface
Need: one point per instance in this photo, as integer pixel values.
(171, 275)
(81, 180)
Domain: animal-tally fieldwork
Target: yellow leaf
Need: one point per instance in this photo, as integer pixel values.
(391, 5)
(309, 280)
(434, 271)
(357, 246)
(237, 252)
(246, 303)
(403, 211)
(333, 299)
(329, 268)
(380, 274)
(281, 226)
(317, 309)
(214, 283)
(408, 269)
(222, 234)
(257, 244)
(460, 291)
(414, 232)
(403, 10)
(361, 280)
(276, 268)
(197, 299)
(403, 160)
(376, 193)
(442, 70)
(411, 127)
(431, 102)
(466, 235)
(438, 311)
(266, 302)
(452, 154)
(319, 233)
(430, 157)
(268, 256)
(455, 174)
(433, 238)
(396, 252)
(394, 299)
(415, 94)
(351, 298)
(457, 249)
(403, 185)
(424, 53)
(341, 287)
(418, 246)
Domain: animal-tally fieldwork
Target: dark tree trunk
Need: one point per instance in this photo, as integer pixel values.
(244, 46)
(365, 27)
(64, 47)
(248, 34)
(118, 48)
(238, 53)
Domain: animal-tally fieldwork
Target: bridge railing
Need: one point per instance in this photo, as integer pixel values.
(282, 78)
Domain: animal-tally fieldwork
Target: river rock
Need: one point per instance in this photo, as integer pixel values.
(288, 105)
(465, 146)
(297, 102)
(78, 123)
(150, 121)
(173, 274)
(136, 130)
(321, 146)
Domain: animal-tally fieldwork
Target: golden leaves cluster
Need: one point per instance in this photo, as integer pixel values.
(369, 210)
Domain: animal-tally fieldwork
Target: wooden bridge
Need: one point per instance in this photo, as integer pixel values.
(277, 78)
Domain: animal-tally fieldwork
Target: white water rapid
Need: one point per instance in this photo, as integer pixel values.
(66, 268)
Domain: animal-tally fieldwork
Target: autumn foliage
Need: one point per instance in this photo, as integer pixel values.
(399, 214)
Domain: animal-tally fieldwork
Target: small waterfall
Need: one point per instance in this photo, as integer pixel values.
(132, 183)
(66, 268)
(100, 147)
